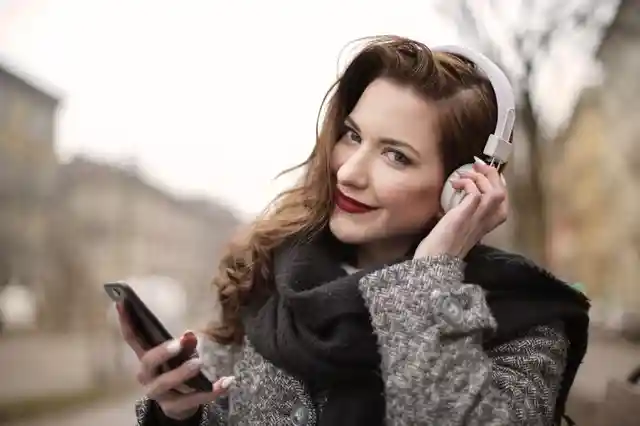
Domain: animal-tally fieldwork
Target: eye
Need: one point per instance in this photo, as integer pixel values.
(353, 136)
(397, 157)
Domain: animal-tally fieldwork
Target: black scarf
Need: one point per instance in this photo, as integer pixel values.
(315, 326)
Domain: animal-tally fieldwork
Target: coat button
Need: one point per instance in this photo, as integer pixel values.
(299, 415)
(451, 310)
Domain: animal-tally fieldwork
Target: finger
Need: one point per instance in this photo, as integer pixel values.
(127, 332)
(481, 181)
(491, 173)
(467, 185)
(472, 199)
(503, 213)
(223, 384)
(492, 196)
(470, 203)
(495, 210)
(174, 378)
(181, 403)
(155, 357)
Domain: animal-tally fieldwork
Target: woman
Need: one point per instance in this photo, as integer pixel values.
(356, 300)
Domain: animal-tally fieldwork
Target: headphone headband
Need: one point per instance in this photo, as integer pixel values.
(498, 146)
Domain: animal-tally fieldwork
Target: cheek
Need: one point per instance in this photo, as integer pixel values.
(403, 196)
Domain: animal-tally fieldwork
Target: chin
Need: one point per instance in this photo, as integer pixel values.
(349, 230)
(357, 230)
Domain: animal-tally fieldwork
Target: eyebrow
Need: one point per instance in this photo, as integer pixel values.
(386, 141)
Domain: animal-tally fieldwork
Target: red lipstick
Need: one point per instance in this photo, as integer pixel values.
(350, 205)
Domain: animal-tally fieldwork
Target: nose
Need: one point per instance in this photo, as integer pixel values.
(354, 170)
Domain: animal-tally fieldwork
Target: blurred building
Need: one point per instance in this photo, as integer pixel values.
(123, 226)
(27, 177)
(596, 225)
(66, 229)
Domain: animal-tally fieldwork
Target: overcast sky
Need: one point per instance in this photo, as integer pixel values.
(209, 97)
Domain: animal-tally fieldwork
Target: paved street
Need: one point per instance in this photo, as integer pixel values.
(607, 359)
(114, 412)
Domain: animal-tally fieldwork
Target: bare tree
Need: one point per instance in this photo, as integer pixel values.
(5, 273)
(519, 36)
(5, 262)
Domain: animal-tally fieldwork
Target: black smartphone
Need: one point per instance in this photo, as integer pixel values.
(150, 333)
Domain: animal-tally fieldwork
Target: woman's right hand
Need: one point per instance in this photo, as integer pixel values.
(160, 387)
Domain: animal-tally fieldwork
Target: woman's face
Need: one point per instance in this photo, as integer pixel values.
(388, 169)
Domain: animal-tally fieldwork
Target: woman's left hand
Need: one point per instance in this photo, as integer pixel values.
(483, 208)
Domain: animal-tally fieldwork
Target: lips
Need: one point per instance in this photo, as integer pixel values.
(350, 205)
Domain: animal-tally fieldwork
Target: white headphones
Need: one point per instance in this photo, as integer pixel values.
(498, 147)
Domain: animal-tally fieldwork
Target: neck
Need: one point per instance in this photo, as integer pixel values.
(380, 252)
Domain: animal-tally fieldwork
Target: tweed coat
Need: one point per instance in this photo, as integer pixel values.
(430, 328)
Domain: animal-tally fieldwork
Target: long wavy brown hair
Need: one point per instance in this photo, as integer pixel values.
(468, 113)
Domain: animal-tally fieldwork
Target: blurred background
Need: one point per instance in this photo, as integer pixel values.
(136, 136)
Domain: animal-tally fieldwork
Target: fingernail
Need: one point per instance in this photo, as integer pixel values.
(227, 381)
(479, 160)
(188, 335)
(174, 346)
(194, 363)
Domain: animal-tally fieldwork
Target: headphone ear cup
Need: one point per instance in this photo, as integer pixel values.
(450, 196)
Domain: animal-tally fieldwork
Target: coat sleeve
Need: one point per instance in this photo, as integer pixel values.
(430, 326)
(212, 414)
